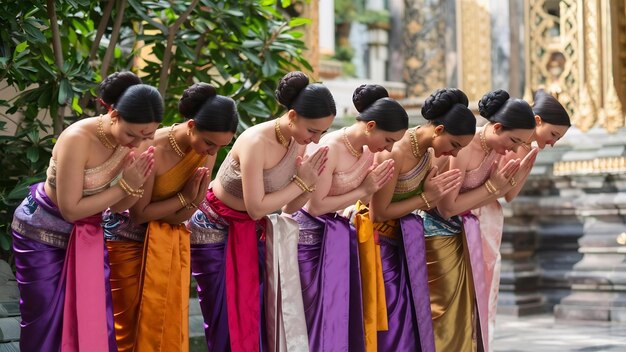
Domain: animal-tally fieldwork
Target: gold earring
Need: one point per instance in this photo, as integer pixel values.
(188, 131)
(367, 132)
(434, 135)
(111, 122)
(290, 124)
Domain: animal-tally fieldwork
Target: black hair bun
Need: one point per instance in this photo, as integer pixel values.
(194, 97)
(441, 101)
(290, 86)
(366, 94)
(114, 86)
(491, 102)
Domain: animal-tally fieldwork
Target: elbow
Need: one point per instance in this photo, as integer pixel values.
(445, 213)
(70, 216)
(313, 211)
(509, 198)
(255, 215)
(377, 217)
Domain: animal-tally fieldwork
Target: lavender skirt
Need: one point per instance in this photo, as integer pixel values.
(331, 283)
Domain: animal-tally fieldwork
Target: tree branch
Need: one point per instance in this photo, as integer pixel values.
(102, 26)
(119, 18)
(167, 55)
(58, 60)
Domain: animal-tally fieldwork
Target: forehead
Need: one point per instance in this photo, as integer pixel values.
(142, 129)
(462, 140)
(557, 129)
(520, 133)
(321, 124)
(221, 138)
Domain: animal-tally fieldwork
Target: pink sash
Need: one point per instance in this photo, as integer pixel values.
(84, 312)
(242, 277)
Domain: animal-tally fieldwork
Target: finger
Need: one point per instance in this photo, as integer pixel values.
(433, 172)
(298, 161)
(448, 175)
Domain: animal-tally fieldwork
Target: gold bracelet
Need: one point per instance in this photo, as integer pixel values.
(182, 200)
(425, 201)
(490, 187)
(303, 186)
(129, 190)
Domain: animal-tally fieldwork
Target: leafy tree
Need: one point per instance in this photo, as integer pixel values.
(55, 53)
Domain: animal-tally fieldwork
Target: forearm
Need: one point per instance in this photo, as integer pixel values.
(90, 205)
(180, 216)
(124, 204)
(330, 204)
(396, 210)
(297, 203)
(273, 201)
(467, 201)
(157, 210)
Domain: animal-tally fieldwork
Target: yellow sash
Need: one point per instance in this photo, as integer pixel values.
(373, 284)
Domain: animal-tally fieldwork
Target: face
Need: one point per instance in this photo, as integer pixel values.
(449, 144)
(379, 140)
(502, 141)
(209, 143)
(306, 130)
(131, 134)
(546, 133)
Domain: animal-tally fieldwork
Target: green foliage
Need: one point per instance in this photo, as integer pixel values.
(373, 17)
(241, 47)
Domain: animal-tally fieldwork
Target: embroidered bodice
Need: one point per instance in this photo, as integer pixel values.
(476, 177)
(345, 181)
(97, 178)
(274, 179)
(411, 182)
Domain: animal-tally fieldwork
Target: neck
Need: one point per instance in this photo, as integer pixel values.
(284, 127)
(181, 137)
(356, 136)
(424, 137)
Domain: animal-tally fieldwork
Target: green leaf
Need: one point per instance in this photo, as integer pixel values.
(65, 92)
(76, 106)
(270, 67)
(32, 153)
(299, 21)
(5, 241)
(21, 47)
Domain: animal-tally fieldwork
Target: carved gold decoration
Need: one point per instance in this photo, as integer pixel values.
(424, 69)
(578, 54)
(475, 43)
(552, 60)
(597, 166)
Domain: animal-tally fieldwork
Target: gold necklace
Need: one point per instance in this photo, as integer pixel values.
(349, 145)
(279, 134)
(415, 147)
(483, 141)
(102, 136)
(175, 146)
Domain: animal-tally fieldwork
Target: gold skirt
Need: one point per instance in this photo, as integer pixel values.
(451, 293)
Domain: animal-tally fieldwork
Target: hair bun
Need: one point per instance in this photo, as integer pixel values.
(491, 102)
(366, 94)
(290, 86)
(194, 97)
(114, 86)
(441, 101)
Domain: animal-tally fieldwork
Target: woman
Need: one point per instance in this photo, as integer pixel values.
(60, 258)
(552, 122)
(457, 285)
(150, 263)
(263, 172)
(328, 254)
(415, 185)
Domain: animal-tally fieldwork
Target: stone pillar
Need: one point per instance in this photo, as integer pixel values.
(327, 27)
(475, 47)
(311, 38)
(424, 47)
